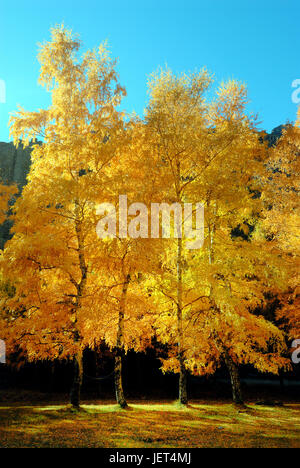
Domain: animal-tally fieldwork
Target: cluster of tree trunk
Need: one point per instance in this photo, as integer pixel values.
(231, 366)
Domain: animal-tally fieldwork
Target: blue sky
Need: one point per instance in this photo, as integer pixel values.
(255, 41)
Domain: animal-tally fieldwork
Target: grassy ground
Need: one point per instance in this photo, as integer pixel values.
(165, 425)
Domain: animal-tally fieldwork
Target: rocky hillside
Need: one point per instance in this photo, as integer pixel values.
(14, 167)
(14, 163)
(274, 136)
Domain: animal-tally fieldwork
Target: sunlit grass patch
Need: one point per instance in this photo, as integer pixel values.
(149, 424)
(103, 408)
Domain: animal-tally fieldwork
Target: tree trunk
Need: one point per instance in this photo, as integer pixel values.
(118, 359)
(182, 382)
(235, 380)
(183, 399)
(78, 365)
(77, 382)
(118, 383)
